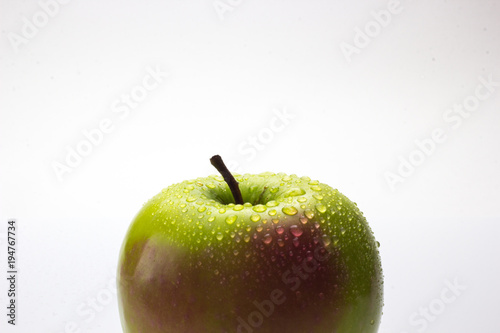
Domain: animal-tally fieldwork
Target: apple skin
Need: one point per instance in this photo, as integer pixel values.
(298, 256)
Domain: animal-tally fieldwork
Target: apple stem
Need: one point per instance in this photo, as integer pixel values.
(217, 162)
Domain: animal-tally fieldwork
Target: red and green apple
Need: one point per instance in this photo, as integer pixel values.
(265, 252)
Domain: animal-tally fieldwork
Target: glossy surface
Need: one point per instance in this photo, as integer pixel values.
(298, 256)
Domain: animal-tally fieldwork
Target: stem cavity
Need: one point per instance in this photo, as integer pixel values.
(217, 162)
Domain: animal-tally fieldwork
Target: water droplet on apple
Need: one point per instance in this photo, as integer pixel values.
(318, 197)
(296, 242)
(235, 252)
(211, 219)
(296, 231)
(246, 238)
(259, 208)
(303, 220)
(231, 219)
(272, 212)
(313, 182)
(222, 211)
(255, 218)
(211, 185)
(281, 242)
(280, 230)
(290, 210)
(190, 199)
(295, 192)
(286, 178)
(238, 207)
(272, 203)
(320, 208)
(267, 239)
(219, 236)
(326, 240)
(302, 199)
(201, 209)
(378, 244)
(309, 255)
(309, 213)
(259, 228)
(316, 188)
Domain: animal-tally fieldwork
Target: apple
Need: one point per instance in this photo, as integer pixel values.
(266, 252)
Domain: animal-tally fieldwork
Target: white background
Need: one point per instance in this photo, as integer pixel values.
(353, 117)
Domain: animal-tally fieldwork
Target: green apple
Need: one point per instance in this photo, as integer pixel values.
(290, 255)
